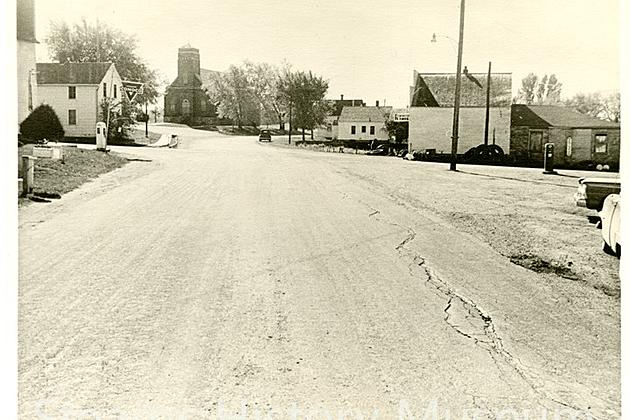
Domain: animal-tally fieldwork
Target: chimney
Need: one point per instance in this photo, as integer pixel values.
(342, 96)
(376, 103)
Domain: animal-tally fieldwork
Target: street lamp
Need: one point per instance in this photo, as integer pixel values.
(458, 86)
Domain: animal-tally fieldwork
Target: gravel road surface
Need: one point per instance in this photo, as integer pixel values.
(229, 278)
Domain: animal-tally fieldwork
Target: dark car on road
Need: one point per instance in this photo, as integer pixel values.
(592, 192)
(265, 135)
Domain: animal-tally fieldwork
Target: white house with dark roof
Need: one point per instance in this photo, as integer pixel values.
(363, 123)
(76, 90)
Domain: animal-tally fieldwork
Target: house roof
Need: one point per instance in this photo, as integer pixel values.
(338, 104)
(438, 89)
(365, 113)
(555, 116)
(71, 73)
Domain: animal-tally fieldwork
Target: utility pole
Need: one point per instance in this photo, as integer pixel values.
(458, 87)
(146, 120)
(485, 134)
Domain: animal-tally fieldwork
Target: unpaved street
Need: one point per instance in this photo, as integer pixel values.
(229, 277)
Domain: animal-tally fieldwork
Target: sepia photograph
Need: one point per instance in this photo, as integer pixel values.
(305, 210)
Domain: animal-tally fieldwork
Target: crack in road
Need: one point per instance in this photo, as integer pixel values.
(466, 317)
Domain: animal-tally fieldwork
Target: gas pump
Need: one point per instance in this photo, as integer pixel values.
(548, 159)
(101, 136)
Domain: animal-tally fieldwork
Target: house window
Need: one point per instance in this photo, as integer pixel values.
(371, 129)
(105, 90)
(535, 141)
(363, 129)
(115, 91)
(72, 92)
(353, 129)
(569, 150)
(173, 107)
(185, 107)
(203, 105)
(72, 117)
(601, 143)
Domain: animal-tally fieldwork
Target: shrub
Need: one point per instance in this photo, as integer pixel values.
(41, 124)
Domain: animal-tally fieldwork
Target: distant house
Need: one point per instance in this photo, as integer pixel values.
(363, 123)
(580, 140)
(26, 62)
(186, 100)
(432, 98)
(337, 105)
(76, 91)
(332, 120)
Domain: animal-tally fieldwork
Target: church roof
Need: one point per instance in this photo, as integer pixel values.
(71, 73)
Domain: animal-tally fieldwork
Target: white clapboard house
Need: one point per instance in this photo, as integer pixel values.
(76, 90)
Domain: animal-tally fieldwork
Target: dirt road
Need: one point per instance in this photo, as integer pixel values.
(227, 277)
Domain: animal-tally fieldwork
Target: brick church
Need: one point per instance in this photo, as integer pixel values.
(186, 100)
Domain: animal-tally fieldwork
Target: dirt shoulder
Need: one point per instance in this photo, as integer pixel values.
(526, 216)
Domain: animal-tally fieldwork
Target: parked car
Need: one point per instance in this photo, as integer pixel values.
(611, 215)
(592, 192)
(265, 135)
(381, 150)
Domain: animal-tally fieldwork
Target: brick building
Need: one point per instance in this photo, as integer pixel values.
(580, 140)
(186, 100)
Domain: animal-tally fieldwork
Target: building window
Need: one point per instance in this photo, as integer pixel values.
(363, 129)
(185, 78)
(105, 89)
(115, 91)
(601, 143)
(72, 92)
(353, 129)
(535, 141)
(371, 129)
(203, 105)
(185, 107)
(72, 117)
(569, 150)
(173, 107)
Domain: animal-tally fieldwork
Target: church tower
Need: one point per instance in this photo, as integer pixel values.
(188, 66)
(186, 100)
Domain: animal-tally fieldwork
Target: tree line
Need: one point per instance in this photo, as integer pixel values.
(261, 93)
(546, 90)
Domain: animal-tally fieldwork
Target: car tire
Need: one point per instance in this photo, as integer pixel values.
(607, 249)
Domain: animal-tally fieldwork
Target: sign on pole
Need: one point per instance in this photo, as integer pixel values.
(132, 88)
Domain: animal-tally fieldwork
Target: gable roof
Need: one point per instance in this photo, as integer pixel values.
(438, 89)
(71, 73)
(365, 113)
(555, 116)
(207, 77)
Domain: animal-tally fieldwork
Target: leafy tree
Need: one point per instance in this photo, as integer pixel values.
(539, 91)
(80, 43)
(264, 80)
(236, 97)
(305, 92)
(397, 129)
(118, 117)
(597, 105)
(41, 124)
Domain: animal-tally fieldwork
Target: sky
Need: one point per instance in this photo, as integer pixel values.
(369, 49)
